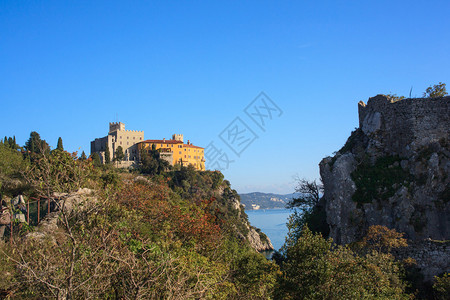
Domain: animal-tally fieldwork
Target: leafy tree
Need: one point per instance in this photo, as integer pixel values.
(309, 195)
(11, 166)
(83, 156)
(382, 239)
(314, 268)
(58, 171)
(151, 162)
(35, 144)
(107, 155)
(96, 159)
(436, 91)
(441, 286)
(60, 145)
(308, 208)
(119, 155)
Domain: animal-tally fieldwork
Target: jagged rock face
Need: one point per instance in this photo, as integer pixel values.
(393, 171)
(340, 189)
(256, 243)
(259, 242)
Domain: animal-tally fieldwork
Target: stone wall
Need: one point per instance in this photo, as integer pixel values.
(118, 136)
(409, 192)
(406, 124)
(432, 257)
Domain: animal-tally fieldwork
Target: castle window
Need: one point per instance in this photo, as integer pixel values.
(179, 152)
(133, 137)
(128, 137)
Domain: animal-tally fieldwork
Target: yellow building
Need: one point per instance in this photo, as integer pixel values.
(176, 151)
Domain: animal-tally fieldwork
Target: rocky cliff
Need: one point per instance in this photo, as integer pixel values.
(393, 171)
(257, 239)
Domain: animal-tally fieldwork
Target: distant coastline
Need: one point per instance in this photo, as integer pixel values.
(260, 201)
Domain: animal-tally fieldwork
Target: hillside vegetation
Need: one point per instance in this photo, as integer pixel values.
(121, 235)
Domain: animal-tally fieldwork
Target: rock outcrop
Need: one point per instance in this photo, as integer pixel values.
(78, 201)
(256, 239)
(393, 171)
(259, 242)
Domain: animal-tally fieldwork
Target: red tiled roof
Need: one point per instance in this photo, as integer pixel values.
(169, 142)
(162, 142)
(192, 146)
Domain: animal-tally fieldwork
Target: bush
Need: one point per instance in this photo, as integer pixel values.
(314, 268)
(12, 165)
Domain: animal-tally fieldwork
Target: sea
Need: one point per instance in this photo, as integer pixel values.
(272, 222)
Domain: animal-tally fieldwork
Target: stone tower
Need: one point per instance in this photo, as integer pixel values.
(177, 137)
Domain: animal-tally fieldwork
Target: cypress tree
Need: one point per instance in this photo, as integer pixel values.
(107, 155)
(35, 144)
(96, 159)
(83, 156)
(119, 155)
(60, 145)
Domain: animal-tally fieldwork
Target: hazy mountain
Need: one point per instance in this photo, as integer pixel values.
(259, 200)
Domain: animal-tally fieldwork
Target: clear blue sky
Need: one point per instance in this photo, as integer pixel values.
(68, 67)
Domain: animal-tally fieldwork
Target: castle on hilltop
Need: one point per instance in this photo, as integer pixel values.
(175, 151)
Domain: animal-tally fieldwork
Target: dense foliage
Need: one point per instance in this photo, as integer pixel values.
(167, 236)
(436, 91)
(308, 209)
(314, 268)
(177, 234)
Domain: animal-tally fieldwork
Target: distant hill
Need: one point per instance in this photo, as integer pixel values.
(259, 200)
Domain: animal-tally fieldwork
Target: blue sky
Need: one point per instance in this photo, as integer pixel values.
(67, 68)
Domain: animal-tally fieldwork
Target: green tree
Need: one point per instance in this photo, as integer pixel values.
(119, 155)
(60, 145)
(151, 162)
(96, 159)
(436, 91)
(314, 268)
(83, 156)
(441, 286)
(58, 171)
(308, 208)
(11, 167)
(35, 144)
(107, 155)
(11, 142)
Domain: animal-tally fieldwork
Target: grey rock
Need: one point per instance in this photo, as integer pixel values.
(416, 132)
